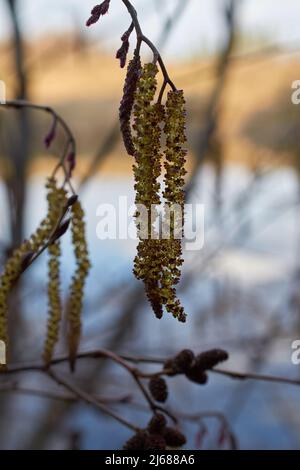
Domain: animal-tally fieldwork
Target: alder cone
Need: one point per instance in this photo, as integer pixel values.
(136, 442)
(157, 424)
(155, 442)
(158, 389)
(174, 438)
(183, 361)
(196, 374)
(209, 359)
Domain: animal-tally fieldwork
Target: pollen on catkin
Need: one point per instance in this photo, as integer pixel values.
(147, 169)
(57, 201)
(15, 264)
(75, 304)
(174, 197)
(9, 277)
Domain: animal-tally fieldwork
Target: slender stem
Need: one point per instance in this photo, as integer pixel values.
(123, 360)
(260, 377)
(19, 104)
(89, 399)
(21, 390)
(142, 38)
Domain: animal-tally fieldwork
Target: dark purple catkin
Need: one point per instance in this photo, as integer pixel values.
(71, 161)
(51, 134)
(97, 12)
(123, 51)
(126, 106)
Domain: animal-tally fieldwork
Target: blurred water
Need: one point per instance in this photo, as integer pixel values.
(231, 290)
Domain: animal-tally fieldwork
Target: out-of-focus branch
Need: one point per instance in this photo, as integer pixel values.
(124, 360)
(171, 22)
(33, 392)
(23, 104)
(113, 135)
(89, 399)
(22, 82)
(204, 141)
(106, 147)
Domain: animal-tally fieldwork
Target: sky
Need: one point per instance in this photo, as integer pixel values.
(199, 30)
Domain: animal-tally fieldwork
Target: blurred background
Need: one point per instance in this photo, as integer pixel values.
(236, 61)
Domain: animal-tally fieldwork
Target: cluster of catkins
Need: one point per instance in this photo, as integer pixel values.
(159, 254)
(51, 229)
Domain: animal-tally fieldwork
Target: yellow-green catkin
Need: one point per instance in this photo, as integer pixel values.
(174, 195)
(54, 302)
(15, 264)
(8, 279)
(57, 201)
(74, 310)
(147, 169)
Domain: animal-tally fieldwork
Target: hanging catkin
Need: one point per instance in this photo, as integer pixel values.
(148, 117)
(126, 106)
(74, 308)
(159, 258)
(15, 264)
(57, 201)
(174, 198)
(8, 279)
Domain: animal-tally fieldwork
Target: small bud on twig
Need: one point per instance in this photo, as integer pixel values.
(97, 12)
(52, 133)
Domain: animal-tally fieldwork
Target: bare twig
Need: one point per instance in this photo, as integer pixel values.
(157, 57)
(89, 399)
(71, 143)
(123, 360)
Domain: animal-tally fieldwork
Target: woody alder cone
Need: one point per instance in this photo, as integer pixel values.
(155, 442)
(158, 389)
(157, 424)
(136, 442)
(174, 438)
(209, 359)
(184, 360)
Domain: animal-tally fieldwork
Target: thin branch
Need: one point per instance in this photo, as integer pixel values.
(20, 104)
(142, 38)
(260, 377)
(89, 399)
(21, 390)
(124, 359)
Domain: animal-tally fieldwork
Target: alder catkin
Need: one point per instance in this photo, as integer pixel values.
(57, 201)
(174, 197)
(22, 255)
(54, 302)
(9, 277)
(75, 304)
(147, 170)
